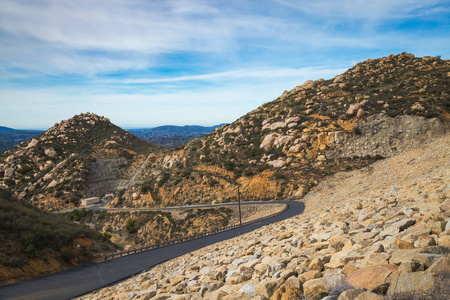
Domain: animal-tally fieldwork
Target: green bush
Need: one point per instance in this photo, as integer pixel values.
(131, 226)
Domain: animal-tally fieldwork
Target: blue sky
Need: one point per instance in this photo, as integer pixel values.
(184, 62)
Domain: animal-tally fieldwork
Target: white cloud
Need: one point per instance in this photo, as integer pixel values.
(366, 9)
(239, 74)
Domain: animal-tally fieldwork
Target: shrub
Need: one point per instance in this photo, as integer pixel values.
(165, 177)
(131, 225)
(279, 175)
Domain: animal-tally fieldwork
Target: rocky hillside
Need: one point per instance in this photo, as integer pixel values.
(376, 109)
(64, 164)
(381, 232)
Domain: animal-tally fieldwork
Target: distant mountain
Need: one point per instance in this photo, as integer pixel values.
(10, 138)
(170, 136)
(5, 129)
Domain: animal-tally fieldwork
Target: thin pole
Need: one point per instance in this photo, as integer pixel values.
(239, 200)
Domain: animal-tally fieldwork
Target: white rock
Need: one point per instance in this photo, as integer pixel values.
(276, 163)
(9, 172)
(269, 140)
(249, 289)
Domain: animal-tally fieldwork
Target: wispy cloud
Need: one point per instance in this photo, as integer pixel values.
(368, 9)
(154, 55)
(238, 74)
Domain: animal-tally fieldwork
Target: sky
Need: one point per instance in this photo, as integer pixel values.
(146, 63)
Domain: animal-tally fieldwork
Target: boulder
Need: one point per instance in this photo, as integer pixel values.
(268, 140)
(410, 282)
(376, 259)
(276, 163)
(267, 287)
(316, 264)
(373, 277)
(441, 266)
(249, 289)
(424, 240)
(61, 165)
(52, 184)
(339, 137)
(50, 152)
(315, 289)
(350, 294)
(9, 172)
(287, 292)
(425, 259)
(336, 283)
(353, 109)
(307, 276)
(444, 241)
(360, 113)
(401, 244)
(408, 267)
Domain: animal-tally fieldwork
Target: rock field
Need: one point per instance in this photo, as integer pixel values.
(372, 233)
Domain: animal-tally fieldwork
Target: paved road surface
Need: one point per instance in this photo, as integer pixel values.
(93, 276)
(101, 206)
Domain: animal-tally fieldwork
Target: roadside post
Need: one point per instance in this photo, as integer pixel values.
(239, 201)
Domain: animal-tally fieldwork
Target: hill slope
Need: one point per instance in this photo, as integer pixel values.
(55, 170)
(35, 242)
(375, 109)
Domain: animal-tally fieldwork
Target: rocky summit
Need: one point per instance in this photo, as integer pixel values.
(381, 232)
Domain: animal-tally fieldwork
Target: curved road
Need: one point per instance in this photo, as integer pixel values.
(93, 276)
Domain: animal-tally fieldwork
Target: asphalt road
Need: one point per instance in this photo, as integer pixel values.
(94, 276)
(101, 206)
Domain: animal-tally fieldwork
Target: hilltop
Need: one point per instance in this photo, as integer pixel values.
(282, 149)
(54, 169)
